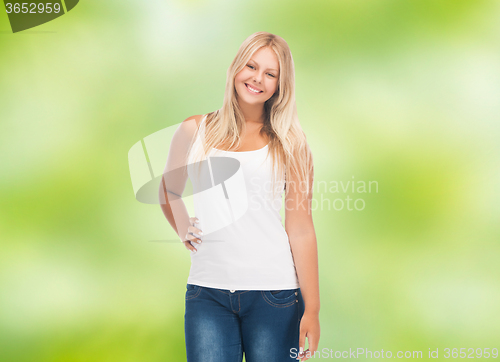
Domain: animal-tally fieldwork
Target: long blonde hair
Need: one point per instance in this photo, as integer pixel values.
(288, 146)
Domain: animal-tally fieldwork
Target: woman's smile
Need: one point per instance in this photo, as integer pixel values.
(252, 89)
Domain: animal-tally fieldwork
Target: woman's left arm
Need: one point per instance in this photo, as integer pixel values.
(301, 234)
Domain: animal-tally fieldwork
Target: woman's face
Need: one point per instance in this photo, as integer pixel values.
(258, 80)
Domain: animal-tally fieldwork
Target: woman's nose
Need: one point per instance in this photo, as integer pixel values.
(257, 78)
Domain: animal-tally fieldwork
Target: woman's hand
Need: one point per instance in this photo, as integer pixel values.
(309, 327)
(193, 235)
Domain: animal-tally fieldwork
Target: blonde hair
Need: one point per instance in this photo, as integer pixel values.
(288, 146)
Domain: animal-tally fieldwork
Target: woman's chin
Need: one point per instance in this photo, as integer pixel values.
(253, 101)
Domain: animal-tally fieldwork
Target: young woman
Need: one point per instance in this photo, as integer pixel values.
(253, 285)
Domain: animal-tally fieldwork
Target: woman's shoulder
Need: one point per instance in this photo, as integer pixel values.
(197, 118)
(187, 130)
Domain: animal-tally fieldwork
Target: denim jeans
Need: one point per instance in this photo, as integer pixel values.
(221, 325)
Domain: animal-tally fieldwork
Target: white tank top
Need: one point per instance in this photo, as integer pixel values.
(244, 244)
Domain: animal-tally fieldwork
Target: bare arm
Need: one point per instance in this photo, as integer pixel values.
(174, 180)
(300, 229)
(181, 222)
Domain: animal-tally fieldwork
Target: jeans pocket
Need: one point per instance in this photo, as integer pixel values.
(192, 291)
(281, 298)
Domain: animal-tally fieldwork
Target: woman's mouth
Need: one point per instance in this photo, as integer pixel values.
(253, 90)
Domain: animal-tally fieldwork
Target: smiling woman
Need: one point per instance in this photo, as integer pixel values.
(259, 78)
(255, 291)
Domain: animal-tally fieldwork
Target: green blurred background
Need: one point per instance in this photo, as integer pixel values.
(404, 93)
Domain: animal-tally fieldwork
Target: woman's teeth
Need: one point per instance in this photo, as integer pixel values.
(253, 90)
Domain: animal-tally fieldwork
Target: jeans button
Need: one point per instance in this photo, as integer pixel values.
(232, 291)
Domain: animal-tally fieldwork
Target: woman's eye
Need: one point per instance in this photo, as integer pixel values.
(250, 66)
(272, 75)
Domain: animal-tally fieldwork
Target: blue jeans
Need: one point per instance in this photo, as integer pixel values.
(221, 325)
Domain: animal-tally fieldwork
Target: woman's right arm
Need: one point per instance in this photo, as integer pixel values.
(173, 182)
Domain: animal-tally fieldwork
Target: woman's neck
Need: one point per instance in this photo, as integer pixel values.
(252, 113)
